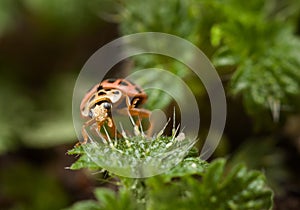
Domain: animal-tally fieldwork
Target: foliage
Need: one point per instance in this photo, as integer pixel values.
(178, 19)
(253, 41)
(9, 109)
(263, 50)
(109, 200)
(134, 150)
(20, 121)
(269, 157)
(133, 156)
(193, 184)
(62, 13)
(55, 123)
(239, 189)
(37, 66)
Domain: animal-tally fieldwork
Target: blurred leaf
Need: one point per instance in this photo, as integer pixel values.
(271, 77)
(238, 189)
(108, 200)
(216, 36)
(268, 156)
(22, 122)
(8, 11)
(254, 38)
(178, 18)
(28, 188)
(224, 57)
(53, 124)
(158, 97)
(264, 51)
(85, 205)
(61, 13)
(53, 132)
(106, 196)
(15, 110)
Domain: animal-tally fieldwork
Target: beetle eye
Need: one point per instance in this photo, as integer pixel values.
(107, 105)
(90, 114)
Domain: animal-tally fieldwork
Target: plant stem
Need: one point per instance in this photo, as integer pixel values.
(138, 189)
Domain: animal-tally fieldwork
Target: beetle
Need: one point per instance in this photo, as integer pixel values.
(119, 94)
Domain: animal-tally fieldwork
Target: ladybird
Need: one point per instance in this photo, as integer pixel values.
(120, 95)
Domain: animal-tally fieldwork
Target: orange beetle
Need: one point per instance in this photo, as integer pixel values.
(120, 94)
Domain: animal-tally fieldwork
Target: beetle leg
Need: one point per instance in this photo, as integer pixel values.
(99, 125)
(140, 113)
(83, 131)
(143, 113)
(136, 112)
(112, 130)
(133, 111)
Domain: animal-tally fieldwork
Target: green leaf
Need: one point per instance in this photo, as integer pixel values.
(84, 161)
(218, 189)
(224, 57)
(105, 196)
(77, 150)
(12, 128)
(109, 200)
(85, 205)
(56, 13)
(125, 155)
(237, 189)
(213, 175)
(269, 78)
(188, 166)
(216, 35)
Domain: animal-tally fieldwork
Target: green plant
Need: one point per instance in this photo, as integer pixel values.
(252, 43)
(192, 184)
(254, 46)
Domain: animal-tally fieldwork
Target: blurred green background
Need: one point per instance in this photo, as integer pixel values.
(44, 44)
